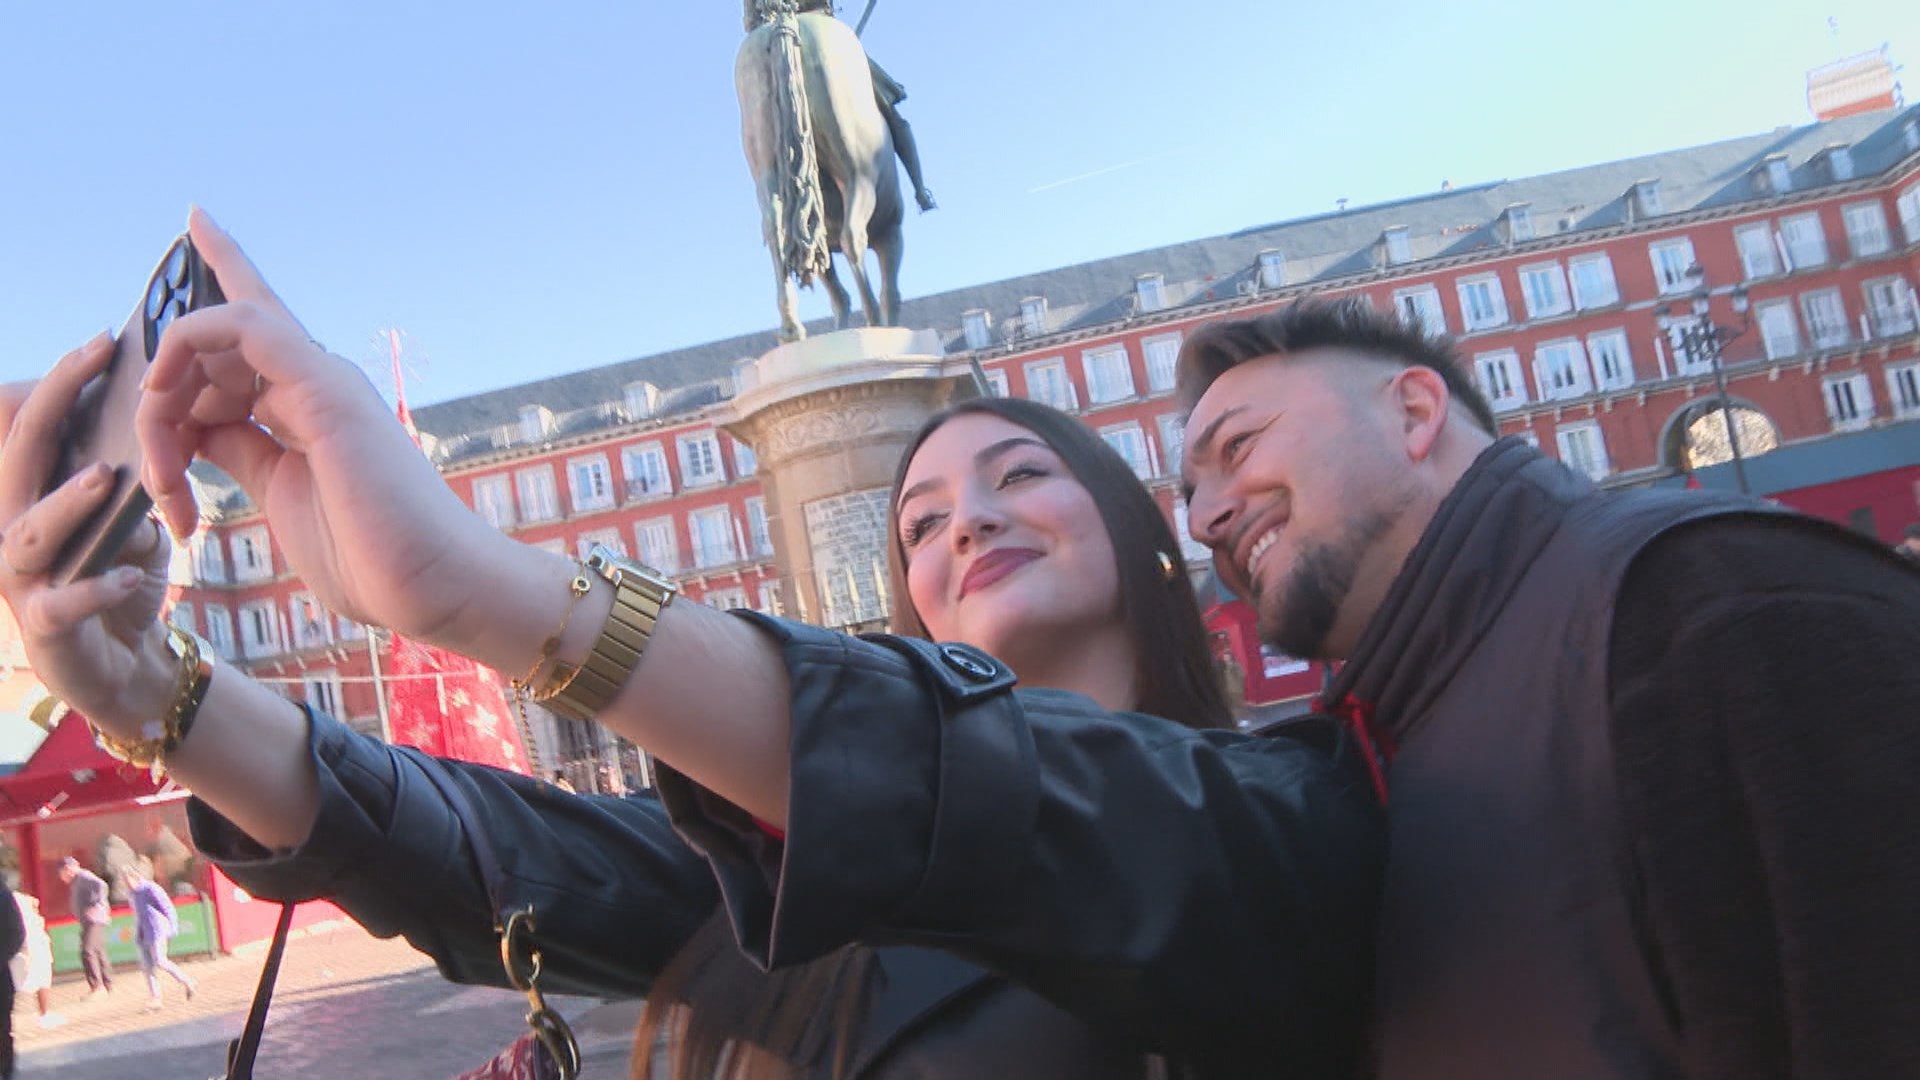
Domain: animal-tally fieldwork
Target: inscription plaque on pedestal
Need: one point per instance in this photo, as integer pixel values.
(846, 534)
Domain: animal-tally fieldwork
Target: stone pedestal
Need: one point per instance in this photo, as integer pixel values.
(828, 417)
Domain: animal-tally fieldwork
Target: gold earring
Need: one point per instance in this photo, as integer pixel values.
(1167, 570)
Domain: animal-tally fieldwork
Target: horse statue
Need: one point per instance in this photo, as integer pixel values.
(822, 160)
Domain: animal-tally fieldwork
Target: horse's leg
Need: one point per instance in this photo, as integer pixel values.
(837, 295)
(860, 199)
(887, 250)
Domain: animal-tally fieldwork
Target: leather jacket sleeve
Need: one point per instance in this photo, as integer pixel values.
(615, 891)
(1209, 893)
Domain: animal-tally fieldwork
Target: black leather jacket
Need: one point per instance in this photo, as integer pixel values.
(1205, 894)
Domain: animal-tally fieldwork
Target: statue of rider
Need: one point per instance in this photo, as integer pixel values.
(887, 93)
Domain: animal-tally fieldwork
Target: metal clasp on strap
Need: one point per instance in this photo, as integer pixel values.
(522, 962)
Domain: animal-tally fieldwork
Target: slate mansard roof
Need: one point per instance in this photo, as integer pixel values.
(1321, 249)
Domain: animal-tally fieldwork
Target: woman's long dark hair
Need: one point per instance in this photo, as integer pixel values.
(727, 1019)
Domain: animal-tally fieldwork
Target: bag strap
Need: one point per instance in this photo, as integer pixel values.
(242, 1051)
(519, 957)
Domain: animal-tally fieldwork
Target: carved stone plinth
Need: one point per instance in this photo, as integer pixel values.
(829, 417)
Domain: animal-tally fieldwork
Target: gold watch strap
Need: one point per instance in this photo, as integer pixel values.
(640, 595)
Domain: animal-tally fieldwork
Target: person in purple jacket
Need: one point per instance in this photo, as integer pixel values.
(154, 924)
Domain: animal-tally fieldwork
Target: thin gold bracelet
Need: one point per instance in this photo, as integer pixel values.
(578, 587)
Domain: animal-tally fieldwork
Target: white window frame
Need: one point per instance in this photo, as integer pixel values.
(1908, 205)
(1557, 299)
(1129, 440)
(1109, 373)
(1589, 459)
(1779, 339)
(1903, 390)
(1826, 329)
(1671, 260)
(1779, 175)
(1399, 245)
(536, 423)
(539, 497)
(1197, 553)
(1151, 291)
(1646, 194)
(1519, 224)
(1162, 353)
(641, 482)
(1759, 256)
(1609, 349)
(321, 691)
(1560, 370)
(210, 558)
(311, 624)
(640, 398)
(1889, 306)
(745, 461)
(1496, 297)
(703, 525)
(770, 603)
(976, 327)
(1583, 302)
(1419, 307)
(997, 383)
(1173, 442)
(260, 628)
(610, 537)
(1061, 394)
(1849, 400)
(664, 556)
(589, 483)
(1273, 268)
(700, 464)
(493, 499)
(181, 615)
(220, 630)
(1033, 316)
(1867, 233)
(1805, 238)
(759, 533)
(252, 554)
(727, 599)
(1501, 378)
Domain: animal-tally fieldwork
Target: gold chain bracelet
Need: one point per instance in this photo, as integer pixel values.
(163, 736)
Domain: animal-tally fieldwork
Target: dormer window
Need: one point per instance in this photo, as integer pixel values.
(1840, 163)
(1910, 134)
(1773, 177)
(536, 422)
(1519, 223)
(1646, 199)
(1399, 248)
(1273, 269)
(1151, 290)
(641, 397)
(1033, 315)
(977, 327)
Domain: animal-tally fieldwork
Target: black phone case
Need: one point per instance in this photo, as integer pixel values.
(100, 428)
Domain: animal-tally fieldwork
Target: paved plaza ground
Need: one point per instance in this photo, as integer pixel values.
(348, 1005)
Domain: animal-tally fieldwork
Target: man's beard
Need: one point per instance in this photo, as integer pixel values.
(1298, 617)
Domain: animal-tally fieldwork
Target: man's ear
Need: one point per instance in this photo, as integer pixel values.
(1424, 406)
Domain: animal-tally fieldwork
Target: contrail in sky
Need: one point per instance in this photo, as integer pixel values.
(1109, 169)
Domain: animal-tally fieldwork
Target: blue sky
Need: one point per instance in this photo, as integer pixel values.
(529, 190)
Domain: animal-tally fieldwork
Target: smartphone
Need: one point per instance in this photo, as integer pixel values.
(100, 427)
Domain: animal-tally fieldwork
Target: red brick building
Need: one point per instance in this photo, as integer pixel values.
(1554, 287)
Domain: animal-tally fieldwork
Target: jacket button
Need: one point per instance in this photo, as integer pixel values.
(970, 662)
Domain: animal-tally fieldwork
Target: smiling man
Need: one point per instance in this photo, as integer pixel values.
(1649, 754)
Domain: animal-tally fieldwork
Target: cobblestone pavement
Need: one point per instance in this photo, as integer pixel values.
(347, 1005)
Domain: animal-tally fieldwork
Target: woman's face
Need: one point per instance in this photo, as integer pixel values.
(1005, 550)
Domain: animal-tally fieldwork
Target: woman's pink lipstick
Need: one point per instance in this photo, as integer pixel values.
(993, 566)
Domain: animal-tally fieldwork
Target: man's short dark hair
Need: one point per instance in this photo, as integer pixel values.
(1351, 323)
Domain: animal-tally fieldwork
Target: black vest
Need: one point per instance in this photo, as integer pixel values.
(1509, 944)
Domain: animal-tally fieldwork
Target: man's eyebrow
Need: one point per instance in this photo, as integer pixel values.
(1201, 445)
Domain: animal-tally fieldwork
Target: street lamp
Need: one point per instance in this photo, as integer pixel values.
(1700, 339)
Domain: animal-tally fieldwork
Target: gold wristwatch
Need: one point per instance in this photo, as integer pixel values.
(640, 594)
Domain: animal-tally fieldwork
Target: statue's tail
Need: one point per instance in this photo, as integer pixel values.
(801, 221)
